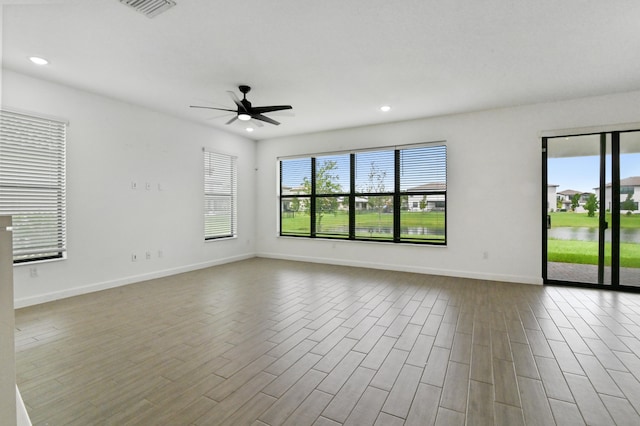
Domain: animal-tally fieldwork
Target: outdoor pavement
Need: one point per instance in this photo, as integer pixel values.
(572, 272)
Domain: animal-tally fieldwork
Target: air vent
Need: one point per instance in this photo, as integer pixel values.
(150, 8)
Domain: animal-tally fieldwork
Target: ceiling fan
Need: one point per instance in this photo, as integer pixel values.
(246, 111)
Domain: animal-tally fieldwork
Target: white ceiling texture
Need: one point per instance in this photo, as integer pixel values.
(335, 61)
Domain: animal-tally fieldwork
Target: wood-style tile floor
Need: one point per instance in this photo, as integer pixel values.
(267, 342)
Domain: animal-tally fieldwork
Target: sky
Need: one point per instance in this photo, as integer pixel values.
(582, 173)
(418, 166)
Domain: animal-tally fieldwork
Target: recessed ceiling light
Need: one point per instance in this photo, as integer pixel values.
(38, 61)
(244, 117)
(385, 108)
(249, 129)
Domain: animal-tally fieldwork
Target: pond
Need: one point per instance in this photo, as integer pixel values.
(362, 230)
(591, 234)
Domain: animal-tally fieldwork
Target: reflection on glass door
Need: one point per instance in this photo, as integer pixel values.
(629, 212)
(592, 219)
(577, 250)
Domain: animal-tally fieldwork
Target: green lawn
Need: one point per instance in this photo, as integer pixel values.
(582, 220)
(586, 252)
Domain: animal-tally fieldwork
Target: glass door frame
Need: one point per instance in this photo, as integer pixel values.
(615, 208)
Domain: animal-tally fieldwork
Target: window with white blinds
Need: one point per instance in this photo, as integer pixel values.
(32, 184)
(395, 194)
(220, 195)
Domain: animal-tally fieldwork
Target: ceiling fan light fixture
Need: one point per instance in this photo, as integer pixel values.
(244, 117)
(38, 60)
(249, 129)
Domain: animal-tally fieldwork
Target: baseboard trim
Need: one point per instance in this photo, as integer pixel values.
(105, 285)
(404, 268)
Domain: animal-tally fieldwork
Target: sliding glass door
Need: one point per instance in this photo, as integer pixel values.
(591, 221)
(629, 196)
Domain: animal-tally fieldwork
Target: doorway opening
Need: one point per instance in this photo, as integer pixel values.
(591, 219)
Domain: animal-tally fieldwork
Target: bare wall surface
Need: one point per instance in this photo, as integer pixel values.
(493, 194)
(494, 190)
(111, 147)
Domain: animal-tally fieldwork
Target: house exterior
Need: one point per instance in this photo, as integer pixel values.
(427, 203)
(566, 198)
(629, 192)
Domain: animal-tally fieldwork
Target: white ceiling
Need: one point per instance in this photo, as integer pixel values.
(335, 61)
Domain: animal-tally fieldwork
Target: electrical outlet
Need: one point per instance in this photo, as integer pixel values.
(134, 257)
(485, 255)
(148, 255)
(147, 186)
(134, 185)
(33, 272)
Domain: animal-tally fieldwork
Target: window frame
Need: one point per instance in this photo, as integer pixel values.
(33, 183)
(227, 189)
(352, 194)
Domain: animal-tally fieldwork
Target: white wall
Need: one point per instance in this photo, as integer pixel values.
(111, 144)
(494, 161)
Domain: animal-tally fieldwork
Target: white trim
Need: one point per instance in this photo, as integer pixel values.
(623, 127)
(519, 279)
(77, 291)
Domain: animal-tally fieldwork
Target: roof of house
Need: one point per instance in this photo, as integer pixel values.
(570, 192)
(433, 186)
(630, 181)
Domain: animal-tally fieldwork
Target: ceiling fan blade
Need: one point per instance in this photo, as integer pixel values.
(215, 117)
(265, 119)
(234, 118)
(285, 113)
(206, 107)
(257, 123)
(263, 109)
(236, 100)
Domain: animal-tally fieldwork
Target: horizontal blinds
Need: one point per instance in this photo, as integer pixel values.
(220, 195)
(375, 171)
(423, 169)
(32, 184)
(295, 176)
(332, 174)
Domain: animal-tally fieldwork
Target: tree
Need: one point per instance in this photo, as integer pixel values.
(628, 204)
(375, 184)
(575, 202)
(326, 183)
(591, 205)
(423, 203)
(295, 205)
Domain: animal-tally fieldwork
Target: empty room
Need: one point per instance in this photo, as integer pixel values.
(331, 213)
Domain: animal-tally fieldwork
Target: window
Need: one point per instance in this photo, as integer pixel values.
(32, 184)
(387, 194)
(220, 195)
(626, 189)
